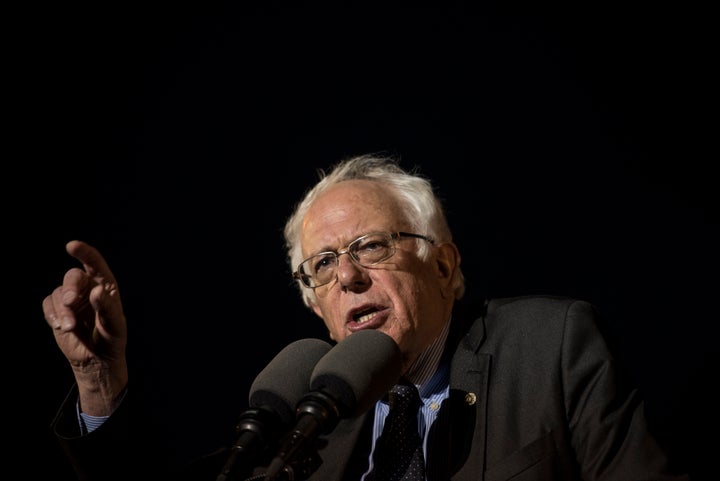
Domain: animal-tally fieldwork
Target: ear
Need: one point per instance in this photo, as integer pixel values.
(447, 261)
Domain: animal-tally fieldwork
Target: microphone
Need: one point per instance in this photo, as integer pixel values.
(345, 383)
(273, 396)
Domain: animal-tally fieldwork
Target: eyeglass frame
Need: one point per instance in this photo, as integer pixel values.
(394, 236)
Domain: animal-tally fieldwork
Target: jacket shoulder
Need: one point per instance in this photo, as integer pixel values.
(540, 314)
(536, 303)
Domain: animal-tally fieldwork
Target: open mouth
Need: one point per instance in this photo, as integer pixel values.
(365, 315)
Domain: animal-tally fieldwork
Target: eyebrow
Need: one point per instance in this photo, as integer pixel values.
(330, 249)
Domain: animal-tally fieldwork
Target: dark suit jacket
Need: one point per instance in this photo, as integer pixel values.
(534, 395)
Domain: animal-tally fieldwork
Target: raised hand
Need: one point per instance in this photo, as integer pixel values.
(87, 318)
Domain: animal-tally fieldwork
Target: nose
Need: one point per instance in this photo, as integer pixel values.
(349, 274)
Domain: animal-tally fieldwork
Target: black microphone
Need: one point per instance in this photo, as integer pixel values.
(345, 383)
(274, 394)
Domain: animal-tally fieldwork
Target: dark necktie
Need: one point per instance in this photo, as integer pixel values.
(398, 452)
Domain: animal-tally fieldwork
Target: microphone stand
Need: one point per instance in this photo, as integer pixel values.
(300, 468)
(305, 463)
(254, 428)
(317, 413)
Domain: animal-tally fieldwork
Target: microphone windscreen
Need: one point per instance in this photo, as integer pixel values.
(286, 378)
(358, 371)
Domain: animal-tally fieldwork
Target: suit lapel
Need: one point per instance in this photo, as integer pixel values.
(467, 406)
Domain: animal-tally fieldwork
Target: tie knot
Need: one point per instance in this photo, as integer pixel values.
(404, 397)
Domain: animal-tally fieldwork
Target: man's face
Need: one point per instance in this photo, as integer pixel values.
(403, 297)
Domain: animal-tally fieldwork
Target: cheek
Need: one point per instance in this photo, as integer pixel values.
(412, 290)
(407, 303)
(333, 323)
(416, 303)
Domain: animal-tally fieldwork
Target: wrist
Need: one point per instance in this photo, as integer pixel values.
(100, 387)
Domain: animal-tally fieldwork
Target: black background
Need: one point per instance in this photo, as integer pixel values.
(573, 146)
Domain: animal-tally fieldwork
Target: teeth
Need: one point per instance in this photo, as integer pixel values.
(363, 319)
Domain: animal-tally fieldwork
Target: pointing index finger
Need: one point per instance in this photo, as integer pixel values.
(93, 262)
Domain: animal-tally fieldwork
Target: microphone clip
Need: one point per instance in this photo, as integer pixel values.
(255, 428)
(317, 413)
(304, 464)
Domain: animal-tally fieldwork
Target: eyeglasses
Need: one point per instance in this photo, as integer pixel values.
(365, 251)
